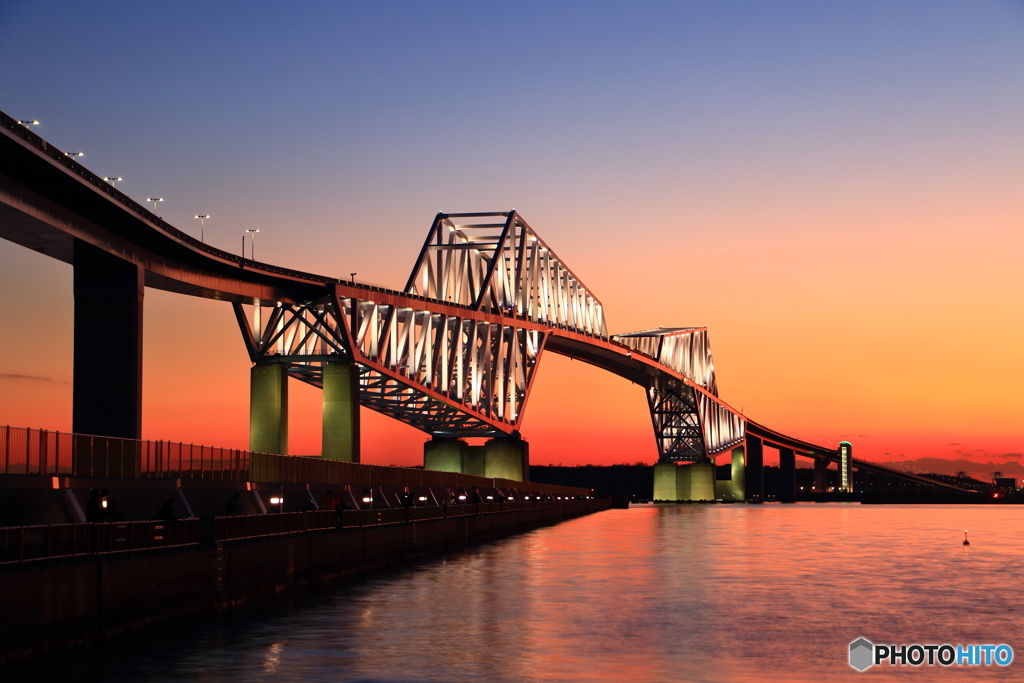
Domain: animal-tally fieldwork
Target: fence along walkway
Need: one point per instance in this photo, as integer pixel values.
(37, 451)
(62, 543)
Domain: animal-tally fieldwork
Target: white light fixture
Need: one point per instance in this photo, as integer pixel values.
(462, 498)
(252, 244)
(367, 500)
(423, 498)
(28, 124)
(276, 500)
(74, 154)
(154, 200)
(114, 181)
(202, 226)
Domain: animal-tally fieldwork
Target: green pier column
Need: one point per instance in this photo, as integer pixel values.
(702, 481)
(473, 461)
(341, 412)
(506, 458)
(445, 455)
(739, 475)
(666, 481)
(684, 482)
(268, 409)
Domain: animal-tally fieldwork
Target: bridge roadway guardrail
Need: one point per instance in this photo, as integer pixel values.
(42, 452)
(61, 543)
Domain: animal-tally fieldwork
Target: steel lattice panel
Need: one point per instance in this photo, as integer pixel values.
(676, 420)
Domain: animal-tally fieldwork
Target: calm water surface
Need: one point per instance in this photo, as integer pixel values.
(686, 593)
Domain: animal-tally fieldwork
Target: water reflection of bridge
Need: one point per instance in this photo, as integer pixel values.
(454, 354)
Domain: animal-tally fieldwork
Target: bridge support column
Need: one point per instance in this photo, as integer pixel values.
(820, 475)
(787, 475)
(268, 409)
(107, 391)
(739, 474)
(445, 455)
(684, 482)
(507, 458)
(754, 479)
(341, 412)
(666, 479)
(702, 481)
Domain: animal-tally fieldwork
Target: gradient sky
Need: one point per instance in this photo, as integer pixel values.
(834, 189)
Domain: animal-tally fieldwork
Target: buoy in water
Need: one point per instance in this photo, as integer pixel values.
(966, 542)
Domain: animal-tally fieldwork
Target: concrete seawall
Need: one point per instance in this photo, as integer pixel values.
(74, 604)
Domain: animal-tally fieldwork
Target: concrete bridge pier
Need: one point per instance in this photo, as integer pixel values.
(501, 458)
(702, 481)
(754, 479)
(507, 458)
(341, 412)
(687, 482)
(820, 475)
(107, 376)
(668, 482)
(445, 455)
(787, 475)
(739, 475)
(268, 409)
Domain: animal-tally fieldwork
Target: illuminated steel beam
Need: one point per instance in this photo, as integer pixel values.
(494, 262)
(689, 425)
(446, 375)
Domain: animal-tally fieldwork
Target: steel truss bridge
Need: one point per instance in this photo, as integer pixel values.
(453, 354)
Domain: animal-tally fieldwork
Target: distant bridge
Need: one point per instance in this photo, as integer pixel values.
(454, 354)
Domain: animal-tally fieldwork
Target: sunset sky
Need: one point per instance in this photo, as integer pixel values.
(834, 189)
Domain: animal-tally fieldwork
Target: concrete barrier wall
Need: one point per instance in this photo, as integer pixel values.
(72, 604)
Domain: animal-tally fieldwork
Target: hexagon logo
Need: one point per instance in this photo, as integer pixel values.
(862, 652)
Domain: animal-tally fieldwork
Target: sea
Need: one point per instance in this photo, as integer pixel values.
(651, 594)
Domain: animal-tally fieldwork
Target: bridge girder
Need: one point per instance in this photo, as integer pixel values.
(446, 375)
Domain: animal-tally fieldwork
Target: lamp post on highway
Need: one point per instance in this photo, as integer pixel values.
(74, 154)
(113, 181)
(353, 277)
(29, 124)
(202, 226)
(252, 244)
(154, 200)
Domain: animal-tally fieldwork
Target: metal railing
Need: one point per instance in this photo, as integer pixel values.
(70, 542)
(41, 452)
(254, 527)
(46, 544)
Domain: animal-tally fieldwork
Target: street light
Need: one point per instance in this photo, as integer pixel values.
(113, 181)
(29, 124)
(353, 277)
(154, 200)
(252, 244)
(74, 154)
(202, 226)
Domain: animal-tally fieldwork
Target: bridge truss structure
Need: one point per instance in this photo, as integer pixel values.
(456, 353)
